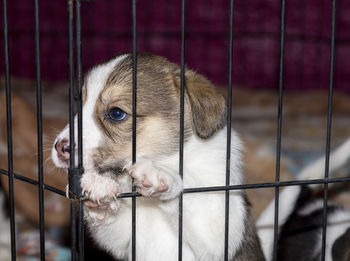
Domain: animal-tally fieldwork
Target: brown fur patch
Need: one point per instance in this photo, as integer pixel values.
(158, 110)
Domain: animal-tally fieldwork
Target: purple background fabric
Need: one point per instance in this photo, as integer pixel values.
(107, 30)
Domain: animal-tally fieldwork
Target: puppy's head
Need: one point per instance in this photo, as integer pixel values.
(107, 113)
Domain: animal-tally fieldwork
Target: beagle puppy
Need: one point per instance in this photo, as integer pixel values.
(108, 169)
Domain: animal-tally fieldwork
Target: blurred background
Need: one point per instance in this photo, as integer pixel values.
(107, 31)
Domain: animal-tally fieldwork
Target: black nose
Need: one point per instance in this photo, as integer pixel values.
(63, 149)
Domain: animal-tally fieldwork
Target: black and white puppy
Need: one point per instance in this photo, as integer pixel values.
(301, 218)
(107, 153)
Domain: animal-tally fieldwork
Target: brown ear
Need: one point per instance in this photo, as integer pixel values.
(207, 105)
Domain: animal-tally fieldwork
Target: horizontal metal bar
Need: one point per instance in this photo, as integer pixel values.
(34, 182)
(201, 189)
(253, 186)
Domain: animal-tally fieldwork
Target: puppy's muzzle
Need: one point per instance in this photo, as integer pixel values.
(63, 149)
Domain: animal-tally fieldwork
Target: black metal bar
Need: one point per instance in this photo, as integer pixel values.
(81, 230)
(329, 131)
(9, 133)
(80, 132)
(79, 85)
(279, 130)
(228, 146)
(40, 132)
(73, 230)
(71, 87)
(203, 189)
(71, 128)
(134, 111)
(182, 113)
(253, 186)
(33, 182)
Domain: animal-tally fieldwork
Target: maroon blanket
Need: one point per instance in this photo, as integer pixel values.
(107, 30)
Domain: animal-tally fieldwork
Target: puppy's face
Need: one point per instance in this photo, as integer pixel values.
(107, 113)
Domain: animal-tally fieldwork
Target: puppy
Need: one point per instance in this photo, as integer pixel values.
(301, 217)
(108, 170)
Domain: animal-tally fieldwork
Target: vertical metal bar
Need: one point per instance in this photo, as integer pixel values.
(9, 134)
(73, 230)
(80, 131)
(71, 124)
(71, 91)
(228, 146)
(40, 132)
(279, 129)
(81, 230)
(329, 129)
(79, 84)
(134, 100)
(182, 112)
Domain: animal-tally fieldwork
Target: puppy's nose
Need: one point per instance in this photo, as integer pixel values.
(63, 149)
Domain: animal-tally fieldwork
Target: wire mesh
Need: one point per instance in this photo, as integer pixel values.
(75, 171)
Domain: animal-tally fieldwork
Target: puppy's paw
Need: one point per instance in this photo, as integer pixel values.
(100, 211)
(97, 214)
(152, 181)
(99, 189)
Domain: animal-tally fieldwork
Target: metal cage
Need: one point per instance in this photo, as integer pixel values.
(75, 82)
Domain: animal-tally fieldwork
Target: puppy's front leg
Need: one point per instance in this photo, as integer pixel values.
(154, 181)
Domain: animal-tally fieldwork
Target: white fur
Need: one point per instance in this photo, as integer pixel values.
(203, 219)
(312, 206)
(337, 159)
(337, 223)
(289, 196)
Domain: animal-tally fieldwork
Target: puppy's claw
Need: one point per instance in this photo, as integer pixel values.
(162, 187)
(91, 204)
(67, 191)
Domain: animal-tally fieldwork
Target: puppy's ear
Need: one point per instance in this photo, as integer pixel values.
(207, 105)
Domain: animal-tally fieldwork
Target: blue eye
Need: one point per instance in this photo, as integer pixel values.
(116, 114)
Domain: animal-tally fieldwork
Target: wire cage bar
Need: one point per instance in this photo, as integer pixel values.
(75, 107)
(40, 132)
(279, 128)
(229, 124)
(329, 129)
(134, 113)
(182, 112)
(9, 133)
